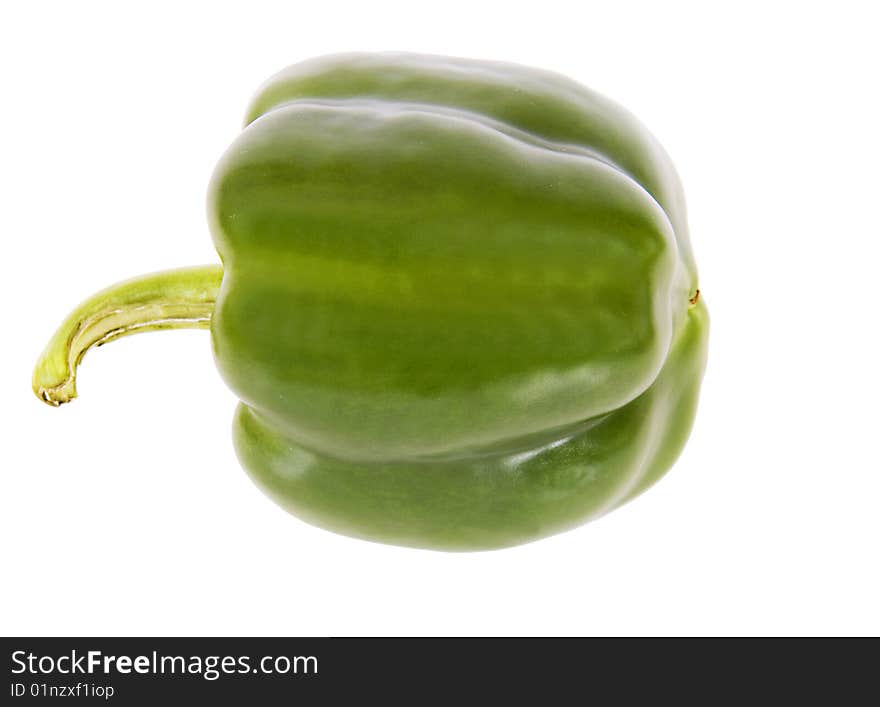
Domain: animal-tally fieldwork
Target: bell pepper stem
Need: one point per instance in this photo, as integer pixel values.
(173, 299)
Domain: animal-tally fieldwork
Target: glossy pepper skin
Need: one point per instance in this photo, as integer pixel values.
(458, 300)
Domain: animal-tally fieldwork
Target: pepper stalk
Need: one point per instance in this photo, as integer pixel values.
(172, 299)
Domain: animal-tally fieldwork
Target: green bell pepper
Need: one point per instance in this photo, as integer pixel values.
(457, 300)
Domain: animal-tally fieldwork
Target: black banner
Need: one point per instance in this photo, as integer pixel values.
(134, 671)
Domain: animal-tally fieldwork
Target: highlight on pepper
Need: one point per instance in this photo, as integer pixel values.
(458, 296)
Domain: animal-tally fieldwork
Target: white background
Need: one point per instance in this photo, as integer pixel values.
(127, 513)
